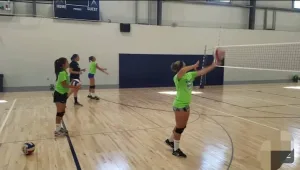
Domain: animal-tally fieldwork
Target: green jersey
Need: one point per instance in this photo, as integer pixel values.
(184, 87)
(62, 76)
(93, 67)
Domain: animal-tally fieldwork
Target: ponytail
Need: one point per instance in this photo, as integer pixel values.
(177, 66)
(58, 66)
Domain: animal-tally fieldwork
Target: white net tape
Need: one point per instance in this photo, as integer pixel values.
(280, 56)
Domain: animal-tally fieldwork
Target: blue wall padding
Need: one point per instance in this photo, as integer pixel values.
(216, 76)
(153, 70)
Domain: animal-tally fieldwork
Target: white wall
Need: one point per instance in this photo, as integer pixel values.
(119, 11)
(192, 15)
(287, 21)
(29, 46)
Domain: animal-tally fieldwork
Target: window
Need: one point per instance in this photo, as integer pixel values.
(222, 1)
(296, 4)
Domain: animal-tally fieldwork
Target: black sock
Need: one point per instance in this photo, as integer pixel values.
(75, 100)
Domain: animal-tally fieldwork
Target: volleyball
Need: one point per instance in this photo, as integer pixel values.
(76, 82)
(28, 148)
(219, 54)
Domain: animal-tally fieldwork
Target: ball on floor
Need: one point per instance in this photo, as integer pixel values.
(28, 148)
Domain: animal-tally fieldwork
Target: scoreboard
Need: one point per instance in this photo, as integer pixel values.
(77, 9)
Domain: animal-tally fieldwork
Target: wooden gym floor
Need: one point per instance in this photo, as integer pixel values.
(127, 128)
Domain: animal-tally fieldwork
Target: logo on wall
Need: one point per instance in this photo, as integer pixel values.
(77, 9)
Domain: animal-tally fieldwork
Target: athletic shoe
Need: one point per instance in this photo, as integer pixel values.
(60, 133)
(179, 153)
(90, 96)
(171, 144)
(96, 98)
(78, 104)
(64, 130)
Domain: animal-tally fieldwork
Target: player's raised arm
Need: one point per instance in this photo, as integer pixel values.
(186, 69)
(218, 58)
(206, 69)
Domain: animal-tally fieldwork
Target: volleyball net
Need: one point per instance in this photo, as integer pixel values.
(282, 57)
(276, 57)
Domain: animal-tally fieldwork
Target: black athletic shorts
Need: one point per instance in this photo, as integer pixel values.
(60, 98)
(184, 109)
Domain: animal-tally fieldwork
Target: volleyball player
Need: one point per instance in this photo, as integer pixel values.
(75, 72)
(60, 95)
(93, 68)
(184, 83)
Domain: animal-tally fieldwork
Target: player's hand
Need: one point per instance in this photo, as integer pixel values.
(83, 70)
(218, 63)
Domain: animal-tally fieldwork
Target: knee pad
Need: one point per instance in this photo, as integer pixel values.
(92, 87)
(60, 114)
(179, 130)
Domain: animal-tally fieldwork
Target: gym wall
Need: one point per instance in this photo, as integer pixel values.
(29, 47)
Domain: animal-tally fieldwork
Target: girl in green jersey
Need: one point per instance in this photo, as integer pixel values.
(184, 83)
(93, 68)
(60, 95)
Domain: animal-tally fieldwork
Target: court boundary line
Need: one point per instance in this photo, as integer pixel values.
(197, 113)
(229, 115)
(253, 108)
(247, 108)
(209, 116)
(232, 115)
(236, 116)
(267, 101)
(260, 91)
(197, 119)
(74, 155)
(275, 94)
(250, 108)
(7, 115)
(216, 122)
(230, 139)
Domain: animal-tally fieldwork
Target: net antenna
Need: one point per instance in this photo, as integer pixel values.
(203, 63)
(272, 57)
(207, 52)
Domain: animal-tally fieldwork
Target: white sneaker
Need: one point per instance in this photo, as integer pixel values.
(64, 130)
(61, 132)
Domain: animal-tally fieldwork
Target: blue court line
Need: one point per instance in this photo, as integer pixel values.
(72, 149)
